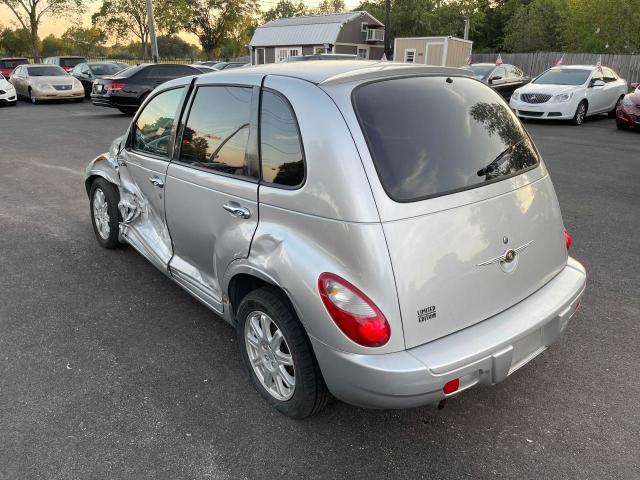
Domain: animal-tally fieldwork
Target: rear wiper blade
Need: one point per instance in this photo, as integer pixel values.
(499, 159)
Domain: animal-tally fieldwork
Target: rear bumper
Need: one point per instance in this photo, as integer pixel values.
(483, 354)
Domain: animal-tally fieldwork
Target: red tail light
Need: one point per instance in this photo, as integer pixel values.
(67, 69)
(354, 313)
(451, 386)
(115, 86)
(567, 239)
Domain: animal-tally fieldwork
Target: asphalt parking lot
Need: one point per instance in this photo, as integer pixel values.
(110, 370)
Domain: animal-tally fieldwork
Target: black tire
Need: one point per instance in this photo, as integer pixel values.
(78, 100)
(32, 99)
(310, 394)
(112, 197)
(622, 126)
(581, 113)
(612, 113)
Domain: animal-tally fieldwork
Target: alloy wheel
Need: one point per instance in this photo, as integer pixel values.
(580, 114)
(101, 213)
(269, 355)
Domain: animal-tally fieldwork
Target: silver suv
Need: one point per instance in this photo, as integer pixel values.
(384, 232)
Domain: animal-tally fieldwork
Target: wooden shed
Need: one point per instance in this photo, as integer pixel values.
(441, 51)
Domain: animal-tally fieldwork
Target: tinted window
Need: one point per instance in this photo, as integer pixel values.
(217, 130)
(70, 62)
(563, 76)
(169, 71)
(131, 71)
(12, 63)
(52, 71)
(429, 137)
(154, 127)
(105, 68)
(280, 145)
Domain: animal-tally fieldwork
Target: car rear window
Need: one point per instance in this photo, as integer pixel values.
(71, 62)
(12, 63)
(431, 136)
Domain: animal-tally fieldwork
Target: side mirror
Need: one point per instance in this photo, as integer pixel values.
(493, 79)
(597, 83)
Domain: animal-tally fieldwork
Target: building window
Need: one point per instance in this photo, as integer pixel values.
(410, 55)
(363, 53)
(286, 52)
(363, 27)
(319, 50)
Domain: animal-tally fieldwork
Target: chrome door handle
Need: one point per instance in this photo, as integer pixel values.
(156, 181)
(237, 211)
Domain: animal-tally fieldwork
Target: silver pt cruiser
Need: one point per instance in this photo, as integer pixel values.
(384, 232)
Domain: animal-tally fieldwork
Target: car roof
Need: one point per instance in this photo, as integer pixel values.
(580, 67)
(340, 71)
(488, 64)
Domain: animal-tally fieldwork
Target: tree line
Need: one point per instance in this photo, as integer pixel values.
(224, 27)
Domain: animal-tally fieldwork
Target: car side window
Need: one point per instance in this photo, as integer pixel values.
(499, 72)
(280, 144)
(154, 127)
(216, 133)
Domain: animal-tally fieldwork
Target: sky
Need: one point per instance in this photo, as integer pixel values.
(57, 26)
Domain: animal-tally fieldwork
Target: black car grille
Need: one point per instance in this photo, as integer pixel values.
(530, 114)
(535, 97)
(62, 87)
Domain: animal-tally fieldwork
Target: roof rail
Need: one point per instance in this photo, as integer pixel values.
(391, 69)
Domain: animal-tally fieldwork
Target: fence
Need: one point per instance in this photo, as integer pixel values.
(627, 66)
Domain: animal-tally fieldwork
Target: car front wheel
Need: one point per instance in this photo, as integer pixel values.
(104, 212)
(32, 97)
(581, 113)
(278, 354)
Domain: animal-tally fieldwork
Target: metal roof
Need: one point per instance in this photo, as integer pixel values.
(305, 30)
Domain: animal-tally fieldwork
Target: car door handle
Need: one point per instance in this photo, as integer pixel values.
(237, 211)
(156, 181)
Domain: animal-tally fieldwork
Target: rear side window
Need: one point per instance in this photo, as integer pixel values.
(430, 136)
(280, 144)
(169, 71)
(217, 131)
(154, 126)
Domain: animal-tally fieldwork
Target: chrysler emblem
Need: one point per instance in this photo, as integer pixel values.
(507, 257)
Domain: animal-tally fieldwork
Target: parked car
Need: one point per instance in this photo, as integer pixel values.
(571, 92)
(207, 63)
(228, 65)
(128, 89)
(203, 68)
(7, 65)
(393, 262)
(45, 82)
(7, 92)
(322, 56)
(628, 110)
(67, 63)
(88, 72)
(503, 78)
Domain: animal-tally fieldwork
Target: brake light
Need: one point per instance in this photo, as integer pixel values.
(354, 313)
(115, 86)
(451, 386)
(567, 239)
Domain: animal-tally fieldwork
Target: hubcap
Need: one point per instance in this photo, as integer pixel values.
(269, 355)
(101, 213)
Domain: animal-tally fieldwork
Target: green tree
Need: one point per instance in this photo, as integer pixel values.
(330, 6)
(29, 14)
(284, 9)
(52, 46)
(174, 46)
(15, 42)
(215, 22)
(538, 26)
(84, 41)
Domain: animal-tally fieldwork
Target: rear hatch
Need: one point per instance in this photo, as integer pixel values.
(470, 216)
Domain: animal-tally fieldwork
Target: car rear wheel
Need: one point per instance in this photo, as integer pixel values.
(278, 354)
(581, 113)
(104, 212)
(612, 113)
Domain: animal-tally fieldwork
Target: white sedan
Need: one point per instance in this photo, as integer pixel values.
(7, 92)
(570, 93)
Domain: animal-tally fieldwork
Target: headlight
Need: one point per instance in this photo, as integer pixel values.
(516, 95)
(561, 97)
(627, 101)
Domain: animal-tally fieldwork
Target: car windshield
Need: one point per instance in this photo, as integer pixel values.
(71, 62)
(48, 71)
(563, 76)
(105, 68)
(431, 136)
(480, 71)
(12, 63)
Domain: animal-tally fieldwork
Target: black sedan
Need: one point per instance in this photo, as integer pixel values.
(504, 79)
(127, 90)
(88, 72)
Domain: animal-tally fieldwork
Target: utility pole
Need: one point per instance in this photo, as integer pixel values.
(466, 28)
(387, 29)
(152, 32)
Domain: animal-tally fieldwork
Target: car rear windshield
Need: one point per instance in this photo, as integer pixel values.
(51, 71)
(12, 63)
(430, 136)
(105, 68)
(71, 62)
(567, 76)
(480, 71)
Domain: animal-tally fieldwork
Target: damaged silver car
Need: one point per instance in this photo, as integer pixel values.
(383, 232)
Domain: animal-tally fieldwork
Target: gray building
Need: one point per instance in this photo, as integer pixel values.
(356, 33)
